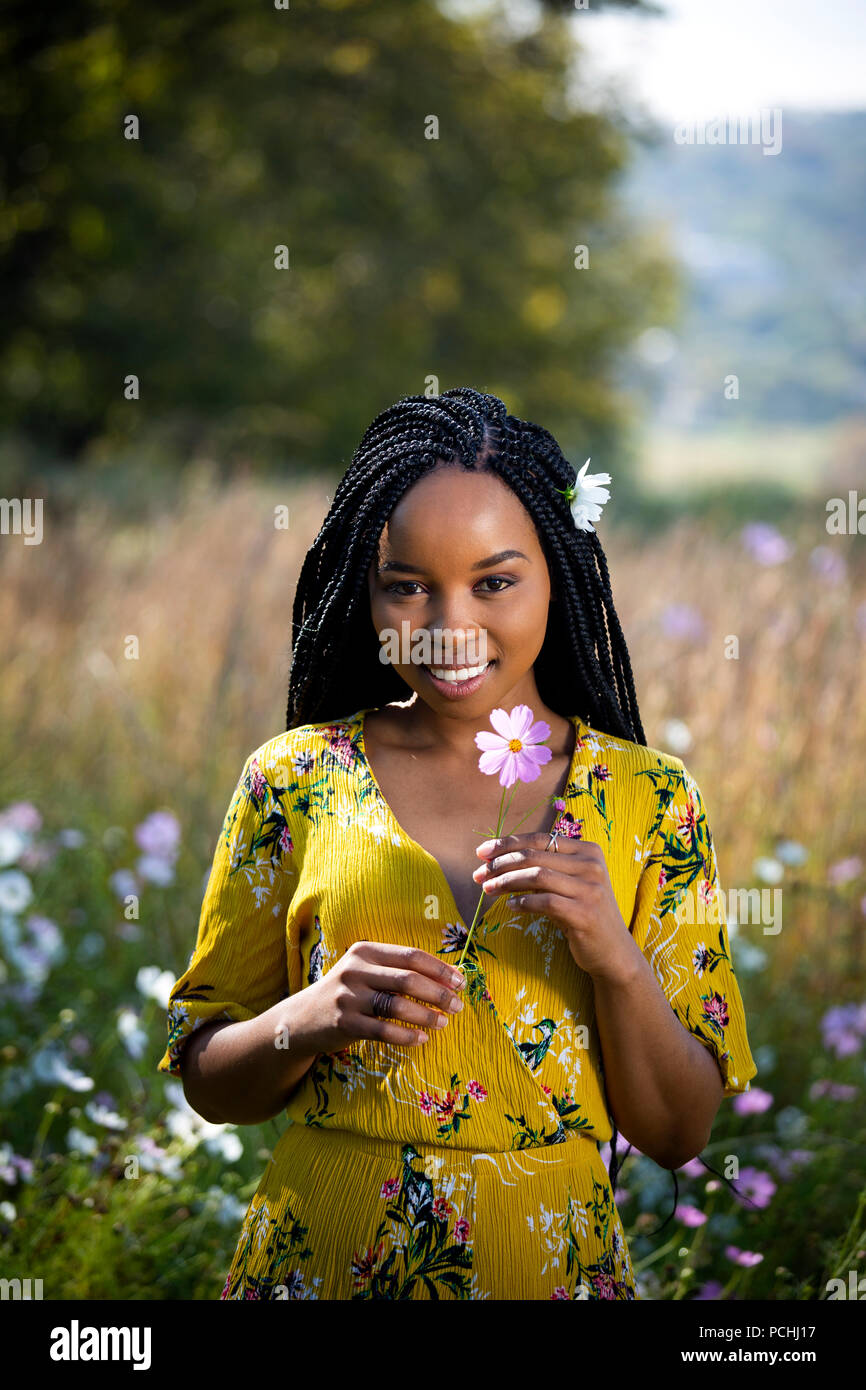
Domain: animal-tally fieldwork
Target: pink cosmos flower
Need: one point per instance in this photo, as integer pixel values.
(753, 1102)
(689, 1215)
(515, 750)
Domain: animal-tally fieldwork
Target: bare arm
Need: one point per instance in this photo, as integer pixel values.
(234, 1073)
(663, 1085)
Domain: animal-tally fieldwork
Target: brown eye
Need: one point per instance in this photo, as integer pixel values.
(497, 579)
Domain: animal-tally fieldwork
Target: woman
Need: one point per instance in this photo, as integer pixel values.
(445, 1124)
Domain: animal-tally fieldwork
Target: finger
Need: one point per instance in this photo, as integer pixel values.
(391, 955)
(569, 860)
(553, 905)
(402, 1010)
(406, 982)
(384, 1030)
(535, 878)
(538, 841)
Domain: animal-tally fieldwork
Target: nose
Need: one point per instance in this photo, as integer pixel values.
(456, 644)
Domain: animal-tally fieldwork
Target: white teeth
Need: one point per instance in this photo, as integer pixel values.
(453, 677)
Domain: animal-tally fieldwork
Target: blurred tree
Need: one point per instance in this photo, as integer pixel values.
(429, 176)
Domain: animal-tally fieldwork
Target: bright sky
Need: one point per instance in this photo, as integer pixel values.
(704, 58)
(707, 59)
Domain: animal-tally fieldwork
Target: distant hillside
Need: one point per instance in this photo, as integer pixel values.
(773, 249)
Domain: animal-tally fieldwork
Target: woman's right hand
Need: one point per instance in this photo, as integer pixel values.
(339, 1006)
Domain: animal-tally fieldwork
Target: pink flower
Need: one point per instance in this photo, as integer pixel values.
(844, 870)
(515, 750)
(390, 1187)
(560, 1292)
(159, 834)
(689, 1215)
(753, 1102)
(754, 1188)
(258, 781)
(476, 1090)
(747, 1258)
(461, 1230)
(425, 1101)
(442, 1208)
(601, 773)
(23, 816)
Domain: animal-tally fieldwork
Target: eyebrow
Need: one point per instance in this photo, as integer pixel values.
(496, 559)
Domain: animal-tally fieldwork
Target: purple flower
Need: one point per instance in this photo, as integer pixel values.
(752, 1102)
(756, 1186)
(844, 870)
(124, 883)
(682, 620)
(827, 563)
(156, 869)
(159, 835)
(747, 1258)
(689, 1215)
(835, 1090)
(516, 751)
(712, 1289)
(693, 1169)
(765, 543)
(23, 816)
(843, 1028)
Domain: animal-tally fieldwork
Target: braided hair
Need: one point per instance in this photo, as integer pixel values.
(583, 663)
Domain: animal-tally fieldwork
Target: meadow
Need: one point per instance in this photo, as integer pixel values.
(145, 655)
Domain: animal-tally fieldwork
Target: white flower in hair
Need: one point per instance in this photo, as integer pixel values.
(587, 496)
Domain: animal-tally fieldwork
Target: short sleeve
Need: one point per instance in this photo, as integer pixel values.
(680, 925)
(239, 966)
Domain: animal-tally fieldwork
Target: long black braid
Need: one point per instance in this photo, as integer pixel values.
(583, 664)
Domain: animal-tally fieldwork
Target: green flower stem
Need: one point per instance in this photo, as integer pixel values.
(499, 822)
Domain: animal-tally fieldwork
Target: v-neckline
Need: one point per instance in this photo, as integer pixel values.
(359, 718)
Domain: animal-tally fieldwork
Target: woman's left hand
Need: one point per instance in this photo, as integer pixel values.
(570, 885)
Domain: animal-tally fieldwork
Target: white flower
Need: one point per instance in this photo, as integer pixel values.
(102, 1115)
(71, 838)
(677, 736)
(81, 1143)
(124, 883)
(15, 891)
(588, 496)
(768, 869)
(134, 1038)
(49, 1065)
(155, 869)
(154, 983)
(12, 843)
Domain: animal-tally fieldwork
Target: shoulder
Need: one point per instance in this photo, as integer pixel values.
(294, 751)
(651, 785)
(629, 757)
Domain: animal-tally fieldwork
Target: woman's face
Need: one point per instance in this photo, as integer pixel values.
(442, 566)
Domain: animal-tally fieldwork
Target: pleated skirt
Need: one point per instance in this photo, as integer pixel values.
(339, 1215)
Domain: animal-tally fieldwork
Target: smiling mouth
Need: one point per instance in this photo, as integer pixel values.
(456, 675)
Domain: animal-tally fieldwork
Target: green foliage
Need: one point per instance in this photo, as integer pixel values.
(414, 263)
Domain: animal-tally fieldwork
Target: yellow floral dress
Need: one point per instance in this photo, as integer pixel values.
(468, 1167)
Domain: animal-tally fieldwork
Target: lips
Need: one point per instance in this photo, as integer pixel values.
(449, 683)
